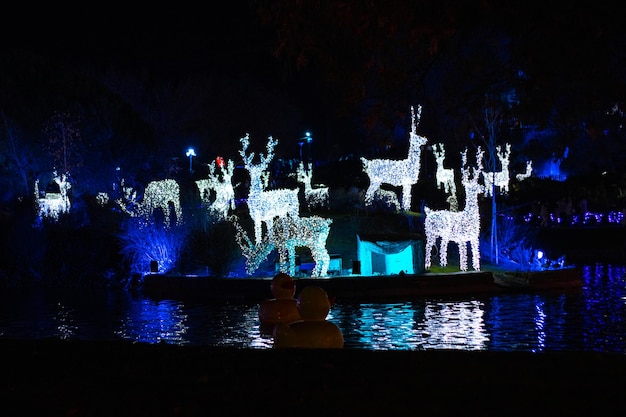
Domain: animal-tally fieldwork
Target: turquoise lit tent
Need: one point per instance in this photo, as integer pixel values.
(390, 255)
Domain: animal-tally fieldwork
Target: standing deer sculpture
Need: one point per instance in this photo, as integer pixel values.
(217, 193)
(445, 176)
(461, 227)
(315, 197)
(265, 205)
(499, 178)
(398, 173)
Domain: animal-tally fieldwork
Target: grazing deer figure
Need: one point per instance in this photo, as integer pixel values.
(164, 195)
(398, 173)
(217, 192)
(54, 204)
(499, 178)
(461, 227)
(289, 232)
(445, 176)
(263, 205)
(311, 232)
(529, 171)
(315, 197)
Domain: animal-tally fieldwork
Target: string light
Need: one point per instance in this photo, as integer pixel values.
(264, 206)
(159, 194)
(398, 173)
(222, 188)
(461, 227)
(53, 204)
(445, 176)
(315, 197)
(499, 178)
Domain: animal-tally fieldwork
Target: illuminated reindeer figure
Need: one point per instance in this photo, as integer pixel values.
(162, 194)
(499, 178)
(445, 176)
(288, 233)
(461, 227)
(315, 197)
(221, 187)
(54, 204)
(264, 206)
(398, 173)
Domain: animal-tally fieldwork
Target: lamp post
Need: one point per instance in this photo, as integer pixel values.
(190, 153)
(307, 138)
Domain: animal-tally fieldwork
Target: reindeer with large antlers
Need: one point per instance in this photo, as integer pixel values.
(461, 227)
(264, 206)
(398, 173)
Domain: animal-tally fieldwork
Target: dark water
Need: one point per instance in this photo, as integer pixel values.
(590, 319)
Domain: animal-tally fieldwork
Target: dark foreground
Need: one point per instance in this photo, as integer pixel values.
(61, 378)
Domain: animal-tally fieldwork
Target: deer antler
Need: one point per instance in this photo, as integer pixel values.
(245, 142)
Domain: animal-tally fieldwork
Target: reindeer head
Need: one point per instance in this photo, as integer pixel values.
(470, 175)
(415, 140)
(440, 153)
(256, 171)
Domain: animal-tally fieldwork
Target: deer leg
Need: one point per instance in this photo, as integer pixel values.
(463, 256)
(406, 197)
(475, 255)
(443, 252)
(430, 244)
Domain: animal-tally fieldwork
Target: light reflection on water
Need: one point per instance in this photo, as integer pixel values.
(592, 319)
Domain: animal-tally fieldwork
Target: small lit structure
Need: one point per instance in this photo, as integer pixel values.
(390, 255)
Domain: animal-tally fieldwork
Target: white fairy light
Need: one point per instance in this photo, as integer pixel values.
(529, 171)
(315, 197)
(461, 227)
(264, 206)
(288, 233)
(160, 194)
(102, 198)
(54, 204)
(398, 173)
(445, 176)
(311, 232)
(222, 187)
(499, 178)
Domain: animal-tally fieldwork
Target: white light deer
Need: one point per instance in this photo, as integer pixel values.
(499, 178)
(163, 194)
(445, 176)
(264, 206)
(217, 192)
(461, 227)
(311, 232)
(289, 232)
(398, 173)
(315, 197)
(529, 171)
(54, 204)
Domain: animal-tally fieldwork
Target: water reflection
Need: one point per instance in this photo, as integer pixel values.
(593, 319)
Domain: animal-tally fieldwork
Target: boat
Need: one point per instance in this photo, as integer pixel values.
(561, 278)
